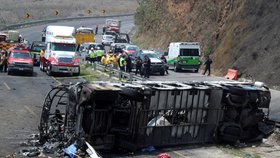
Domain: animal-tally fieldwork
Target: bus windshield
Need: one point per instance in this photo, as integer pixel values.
(189, 52)
(63, 47)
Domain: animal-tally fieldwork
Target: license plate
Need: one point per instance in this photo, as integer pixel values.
(20, 68)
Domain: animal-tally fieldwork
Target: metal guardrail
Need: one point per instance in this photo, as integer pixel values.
(121, 75)
(13, 26)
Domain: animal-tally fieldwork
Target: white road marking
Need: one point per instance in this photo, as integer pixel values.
(6, 85)
(56, 80)
(179, 154)
(30, 110)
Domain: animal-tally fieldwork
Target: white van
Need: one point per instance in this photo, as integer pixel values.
(184, 55)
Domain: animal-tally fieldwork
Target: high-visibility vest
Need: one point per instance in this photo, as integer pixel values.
(115, 60)
(121, 62)
(99, 53)
(91, 54)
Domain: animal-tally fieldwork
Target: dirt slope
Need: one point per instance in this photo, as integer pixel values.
(240, 34)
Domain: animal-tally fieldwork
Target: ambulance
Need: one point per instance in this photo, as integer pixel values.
(184, 56)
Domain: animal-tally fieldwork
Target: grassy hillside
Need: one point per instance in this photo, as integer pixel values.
(241, 34)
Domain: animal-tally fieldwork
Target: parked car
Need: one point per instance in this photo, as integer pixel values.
(117, 48)
(20, 60)
(110, 33)
(122, 38)
(35, 49)
(130, 49)
(107, 40)
(157, 65)
(85, 47)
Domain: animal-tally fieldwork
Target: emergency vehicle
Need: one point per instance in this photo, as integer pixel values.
(84, 35)
(19, 60)
(112, 25)
(184, 55)
(10, 39)
(59, 55)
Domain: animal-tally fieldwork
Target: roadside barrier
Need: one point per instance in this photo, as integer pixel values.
(232, 74)
(117, 73)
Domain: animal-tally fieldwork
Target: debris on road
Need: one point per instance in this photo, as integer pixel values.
(134, 116)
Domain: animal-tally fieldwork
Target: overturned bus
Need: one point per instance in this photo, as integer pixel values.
(139, 114)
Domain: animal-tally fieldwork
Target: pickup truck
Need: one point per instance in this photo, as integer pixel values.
(19, 60)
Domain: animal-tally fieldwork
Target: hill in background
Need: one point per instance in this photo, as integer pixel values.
(239, 34)
(14, 11)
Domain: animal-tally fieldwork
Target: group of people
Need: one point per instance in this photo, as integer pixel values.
(124, 63)
(3, 61)
(95, 55)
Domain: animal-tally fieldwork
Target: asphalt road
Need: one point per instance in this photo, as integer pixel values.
(21, 97)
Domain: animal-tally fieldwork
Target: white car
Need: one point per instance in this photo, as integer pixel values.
(107, 40)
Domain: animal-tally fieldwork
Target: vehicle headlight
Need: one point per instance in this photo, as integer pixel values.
(11, 62)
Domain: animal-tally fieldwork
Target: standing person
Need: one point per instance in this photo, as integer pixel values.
(115, 61)
(207, 64)
(147, 66)
(99, 54)
(1, 60)
(96, 29)
(128, 63)
(165, 63)
(122, 63)
(92, 55)
(5, 63)
(138, 66)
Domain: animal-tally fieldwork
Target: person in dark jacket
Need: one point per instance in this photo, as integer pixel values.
(165, 65)
(128, 63)
(207, 64)
(138, 66)
(147, 66)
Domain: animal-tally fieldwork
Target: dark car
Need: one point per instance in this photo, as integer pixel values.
(157, 65)
(35, 49)
(117, 48)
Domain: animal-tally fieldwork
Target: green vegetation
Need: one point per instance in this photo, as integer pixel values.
(238, 152)
(87, 73)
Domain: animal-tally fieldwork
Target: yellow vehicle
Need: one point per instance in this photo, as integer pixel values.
(84, 35)
(10, 39)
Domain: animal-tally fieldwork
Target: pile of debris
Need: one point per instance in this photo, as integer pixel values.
(133, 116)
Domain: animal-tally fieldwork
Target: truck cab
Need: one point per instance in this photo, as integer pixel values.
(60, 53)
(35, 49)
(184, 56)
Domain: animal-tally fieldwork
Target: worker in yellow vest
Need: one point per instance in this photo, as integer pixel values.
(122, 63)
(92, 55)
(115, 61)
(99, 54)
